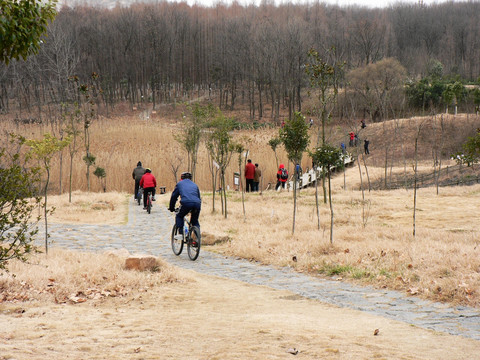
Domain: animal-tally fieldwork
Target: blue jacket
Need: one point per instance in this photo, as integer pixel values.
(188, 192)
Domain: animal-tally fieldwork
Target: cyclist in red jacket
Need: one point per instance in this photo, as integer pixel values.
(148, 183)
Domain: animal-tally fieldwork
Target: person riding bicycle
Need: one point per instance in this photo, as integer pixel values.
(137, 174)
(190, 201)
(148, 183)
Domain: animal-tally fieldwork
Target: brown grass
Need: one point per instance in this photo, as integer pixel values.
(441, 263)
(68, 276)
(79, 305)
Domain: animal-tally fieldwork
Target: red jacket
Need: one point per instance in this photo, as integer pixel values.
(279, 173)
(249, 171)
(148, 181)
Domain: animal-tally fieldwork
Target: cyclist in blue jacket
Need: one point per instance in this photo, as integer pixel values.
(190, 201)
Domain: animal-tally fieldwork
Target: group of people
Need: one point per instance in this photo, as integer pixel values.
(186, 189)
(146, 180)
(252, 176)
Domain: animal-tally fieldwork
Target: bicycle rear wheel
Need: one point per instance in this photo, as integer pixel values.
(177, 244)
(193, 244)
(149, 203)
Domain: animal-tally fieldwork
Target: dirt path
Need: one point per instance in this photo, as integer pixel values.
(213, 318)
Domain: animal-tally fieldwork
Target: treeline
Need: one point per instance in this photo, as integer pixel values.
(166, 52)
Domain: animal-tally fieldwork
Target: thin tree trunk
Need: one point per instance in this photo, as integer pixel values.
(362, 189)
(294, 202)
(331, 206)
(45, 211)
(415, 182)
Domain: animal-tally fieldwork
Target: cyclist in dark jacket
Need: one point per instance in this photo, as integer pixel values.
(137, 175)
(190, 201)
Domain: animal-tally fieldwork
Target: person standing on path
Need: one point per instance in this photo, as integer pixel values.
(137, 175)
(352, 138)
(249, 175)
(256, 178)
(365, 146)
(282, 176)
(148, 183)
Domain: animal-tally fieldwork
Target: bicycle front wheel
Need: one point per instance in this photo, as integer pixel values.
(149, 204)
(193, 245)
(177, 241)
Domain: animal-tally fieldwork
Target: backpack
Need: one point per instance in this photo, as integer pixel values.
(284, 175)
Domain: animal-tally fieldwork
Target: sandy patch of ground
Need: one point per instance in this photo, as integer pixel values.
(213, 318)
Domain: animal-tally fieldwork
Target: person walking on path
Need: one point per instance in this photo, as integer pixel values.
(282, 176)
(256, 178)
(352, 138)
(137, 175)
(365, 146)
(190, 201)
(148, 183)
(249, 175)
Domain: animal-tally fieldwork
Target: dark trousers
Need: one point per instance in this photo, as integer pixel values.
(250, 185)
(137, 186)
(255, 185)
(184, 209)
(280, 183)
(145, 194)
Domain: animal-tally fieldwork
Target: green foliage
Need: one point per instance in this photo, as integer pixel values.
(89, 159)
(433, 91)
(328, 157)
(324, 74)
(434, 69)
(193, 126)
(471, 151)
(100, 172)
(295, 138)
(219, 140)
(220, 147)
(22, 25)
(46, 148)
(17, 202)
(274, 142)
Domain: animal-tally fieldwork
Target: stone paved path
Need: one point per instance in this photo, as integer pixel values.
(150, 234)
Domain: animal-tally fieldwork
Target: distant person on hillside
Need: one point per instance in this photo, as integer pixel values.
(298, 171)
(256, 178)
(342, 146)
(365, 146)
(249, 175)
(352, 138)
(363, 124)
(137, 175)
(282, 176)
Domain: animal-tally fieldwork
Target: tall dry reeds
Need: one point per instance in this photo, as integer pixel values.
(119, 143)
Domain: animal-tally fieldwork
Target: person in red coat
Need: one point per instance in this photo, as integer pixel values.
(148, 183)
(282, 177)
(249, 175)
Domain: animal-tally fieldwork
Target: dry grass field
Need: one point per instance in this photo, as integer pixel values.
(175, 313)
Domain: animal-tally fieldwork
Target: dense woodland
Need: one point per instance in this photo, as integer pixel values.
(168, 52)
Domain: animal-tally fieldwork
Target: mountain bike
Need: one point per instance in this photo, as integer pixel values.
(149, 202)
(190, 236)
